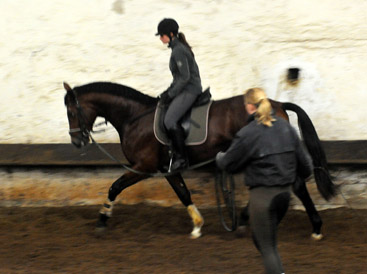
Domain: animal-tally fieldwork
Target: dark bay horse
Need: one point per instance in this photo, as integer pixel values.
(132, 114)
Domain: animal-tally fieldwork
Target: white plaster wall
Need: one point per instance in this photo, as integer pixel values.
(238, 44)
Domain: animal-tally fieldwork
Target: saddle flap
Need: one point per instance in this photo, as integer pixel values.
(197, 117)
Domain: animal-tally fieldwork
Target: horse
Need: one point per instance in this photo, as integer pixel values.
(131, 113)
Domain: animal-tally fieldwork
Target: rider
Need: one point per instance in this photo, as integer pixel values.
(270, 153)
(182, 93)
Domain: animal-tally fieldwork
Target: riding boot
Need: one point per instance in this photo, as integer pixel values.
(179, 158)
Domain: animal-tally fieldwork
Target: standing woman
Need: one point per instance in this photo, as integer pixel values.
(182, 93)
(270, 153)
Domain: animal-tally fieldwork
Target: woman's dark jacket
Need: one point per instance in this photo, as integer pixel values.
(269, 155)
(185, 71)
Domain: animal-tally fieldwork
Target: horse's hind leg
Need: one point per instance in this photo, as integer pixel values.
(243, 221)
(299, 188)
(178, 184)
(117, 187)
(244, 217)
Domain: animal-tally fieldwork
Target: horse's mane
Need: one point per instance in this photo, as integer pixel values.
(117, 90)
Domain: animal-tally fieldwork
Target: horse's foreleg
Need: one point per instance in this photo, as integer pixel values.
(299, 188)
(177, 183)
(117, 187)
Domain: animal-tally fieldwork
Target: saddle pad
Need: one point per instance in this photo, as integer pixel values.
(198, 126)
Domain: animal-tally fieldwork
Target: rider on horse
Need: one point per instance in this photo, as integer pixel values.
(182, 93)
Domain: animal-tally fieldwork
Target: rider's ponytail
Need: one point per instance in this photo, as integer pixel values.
(182, 39)
(258, 98)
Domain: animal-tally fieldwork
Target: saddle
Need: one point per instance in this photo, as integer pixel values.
(194, 122)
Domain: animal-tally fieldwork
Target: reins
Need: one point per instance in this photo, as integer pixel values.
(156, 174)
(225, 193)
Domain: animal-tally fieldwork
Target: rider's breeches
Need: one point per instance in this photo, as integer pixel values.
(177, 109)
(267, 207)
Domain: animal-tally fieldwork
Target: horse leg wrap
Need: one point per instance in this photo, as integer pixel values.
(107, 208)
(197, 219)
(195, 215)
(317, 237)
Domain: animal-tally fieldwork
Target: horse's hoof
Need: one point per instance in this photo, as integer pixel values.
(100, 229)
(102, 221)
(99, 232)
(317, 237)
(241, 231)
(196, 233)
(101, 225)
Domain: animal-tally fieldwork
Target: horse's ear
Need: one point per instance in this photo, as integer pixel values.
(67, 87)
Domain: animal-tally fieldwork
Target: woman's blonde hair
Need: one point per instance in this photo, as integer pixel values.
(257, 97)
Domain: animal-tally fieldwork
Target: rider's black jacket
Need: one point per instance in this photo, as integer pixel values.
(185, 71)
(269, 155)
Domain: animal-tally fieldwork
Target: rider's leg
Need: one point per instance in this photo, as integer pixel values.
(176, 110)
(177, 137)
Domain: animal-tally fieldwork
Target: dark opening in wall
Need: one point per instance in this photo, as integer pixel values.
(293, 75)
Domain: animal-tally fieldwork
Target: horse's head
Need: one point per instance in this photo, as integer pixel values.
(81, 118)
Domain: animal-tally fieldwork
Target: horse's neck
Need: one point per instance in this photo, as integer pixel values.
(118, 110)
(237, 112)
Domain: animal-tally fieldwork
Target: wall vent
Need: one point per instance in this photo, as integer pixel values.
(293, 76)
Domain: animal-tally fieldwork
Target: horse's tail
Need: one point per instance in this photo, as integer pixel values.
(313, 144)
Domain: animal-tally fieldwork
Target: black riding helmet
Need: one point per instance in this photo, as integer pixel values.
(166, 26)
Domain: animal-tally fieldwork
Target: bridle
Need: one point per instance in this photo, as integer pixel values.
(81, 119)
